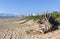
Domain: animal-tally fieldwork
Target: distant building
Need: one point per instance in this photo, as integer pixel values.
(34, 14)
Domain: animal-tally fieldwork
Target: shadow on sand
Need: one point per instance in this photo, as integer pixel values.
(55, 25)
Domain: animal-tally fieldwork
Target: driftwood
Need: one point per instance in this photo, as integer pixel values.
(46, 23)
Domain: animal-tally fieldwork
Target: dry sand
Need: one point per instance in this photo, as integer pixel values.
(12, 29)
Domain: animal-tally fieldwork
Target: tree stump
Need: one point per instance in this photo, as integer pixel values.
(45, 23)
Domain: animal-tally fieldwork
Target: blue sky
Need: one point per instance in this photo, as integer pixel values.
(28, 6)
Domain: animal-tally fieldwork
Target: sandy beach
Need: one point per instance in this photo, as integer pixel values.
(12, 29)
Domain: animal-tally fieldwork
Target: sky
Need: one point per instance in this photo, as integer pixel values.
(24, 7)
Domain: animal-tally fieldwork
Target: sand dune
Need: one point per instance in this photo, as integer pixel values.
(12, 29)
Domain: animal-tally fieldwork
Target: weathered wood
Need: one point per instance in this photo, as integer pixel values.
(45, 24)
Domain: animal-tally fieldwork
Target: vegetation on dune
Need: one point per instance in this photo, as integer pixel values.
(34, 18)
(54, 15)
